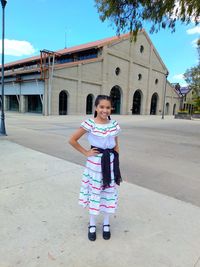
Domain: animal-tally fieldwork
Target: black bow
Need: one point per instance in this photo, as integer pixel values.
(105, 165)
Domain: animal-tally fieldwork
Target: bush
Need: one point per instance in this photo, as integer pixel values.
(183, 112)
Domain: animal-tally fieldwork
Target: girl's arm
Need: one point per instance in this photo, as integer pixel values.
(74, 142)
(116, 148)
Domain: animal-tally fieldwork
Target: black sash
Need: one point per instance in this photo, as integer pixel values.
(105, 166)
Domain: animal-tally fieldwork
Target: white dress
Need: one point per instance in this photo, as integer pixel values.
(92, 193)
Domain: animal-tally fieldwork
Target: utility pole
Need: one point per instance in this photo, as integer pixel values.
(163, 109)
(3, 128)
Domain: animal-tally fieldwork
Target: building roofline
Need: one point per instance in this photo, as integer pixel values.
(83, 47)
(78, 48)
(155, 50)
(172, 87)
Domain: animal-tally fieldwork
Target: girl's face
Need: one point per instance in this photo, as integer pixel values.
(103, 109)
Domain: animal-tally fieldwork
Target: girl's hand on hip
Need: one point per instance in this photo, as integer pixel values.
(92, 152)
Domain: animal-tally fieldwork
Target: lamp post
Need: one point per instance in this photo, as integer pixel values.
(2, 129)
(163, 109)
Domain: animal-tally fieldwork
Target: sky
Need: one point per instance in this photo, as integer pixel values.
(31, 26)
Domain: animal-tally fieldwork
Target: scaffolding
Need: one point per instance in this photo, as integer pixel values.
(47, 61)
(45, 68)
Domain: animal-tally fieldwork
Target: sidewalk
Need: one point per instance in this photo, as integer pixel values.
(42, 225)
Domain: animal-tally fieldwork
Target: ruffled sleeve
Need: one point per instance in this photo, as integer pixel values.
(117, 128)
(87, 125)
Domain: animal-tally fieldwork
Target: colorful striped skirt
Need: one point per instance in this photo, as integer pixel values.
(92, 194)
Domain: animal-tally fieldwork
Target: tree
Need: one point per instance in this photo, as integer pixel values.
(130, 14)
(192, 75)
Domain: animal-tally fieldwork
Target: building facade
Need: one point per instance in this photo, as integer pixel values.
(67, 81)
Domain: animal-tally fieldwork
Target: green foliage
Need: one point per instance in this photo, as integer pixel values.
(130, 14)
(192, 75)
(197, 112)
(184, 112)
(196, 103)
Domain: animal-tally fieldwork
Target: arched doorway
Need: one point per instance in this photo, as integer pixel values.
(136, 107)
(89, 104)
(116, 99)
(167, 109)
(154, 100)
(63, 99)
(174, 109)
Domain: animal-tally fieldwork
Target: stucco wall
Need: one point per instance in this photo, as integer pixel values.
(98, 76)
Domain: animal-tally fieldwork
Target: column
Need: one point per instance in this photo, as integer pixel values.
(22, 104)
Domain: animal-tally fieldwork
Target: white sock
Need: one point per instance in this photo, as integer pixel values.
(92, 223)
(106, 220)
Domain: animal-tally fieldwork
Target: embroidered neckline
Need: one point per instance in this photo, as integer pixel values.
(92, 120)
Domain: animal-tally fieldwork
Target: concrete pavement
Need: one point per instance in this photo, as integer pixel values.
(42, 225)
(160, 155)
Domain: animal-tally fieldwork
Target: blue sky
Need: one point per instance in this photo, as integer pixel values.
(46, 24)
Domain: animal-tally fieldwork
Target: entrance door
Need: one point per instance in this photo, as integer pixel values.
(63, 103)
(154, 100)
(136, 102)
(89, 104)
(116, 99)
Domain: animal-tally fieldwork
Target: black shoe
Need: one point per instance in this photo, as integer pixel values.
(91, 236)
(106, 234)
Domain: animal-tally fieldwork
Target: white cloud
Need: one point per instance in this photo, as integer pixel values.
(178, 77)
(17, 48)
(183, 84)
(194, 30)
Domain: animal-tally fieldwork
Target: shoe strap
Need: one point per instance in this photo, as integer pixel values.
(108, 225)
(90, 226)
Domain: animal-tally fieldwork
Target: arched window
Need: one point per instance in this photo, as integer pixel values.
(63, 102)
(117, 71)
(174, 109)
(89, 104)
(116, 99)
(167, 109)
(154, 100)
(136, 107)
(139, 76)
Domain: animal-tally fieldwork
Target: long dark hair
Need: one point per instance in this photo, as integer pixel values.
(97, 101)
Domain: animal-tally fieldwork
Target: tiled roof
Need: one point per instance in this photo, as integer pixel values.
(184, 90)
(29, 59)
(96, 44)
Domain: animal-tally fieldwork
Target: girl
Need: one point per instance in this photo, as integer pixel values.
(101, 174)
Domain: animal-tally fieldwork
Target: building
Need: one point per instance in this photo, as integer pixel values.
(67, 81)
(188, 99)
